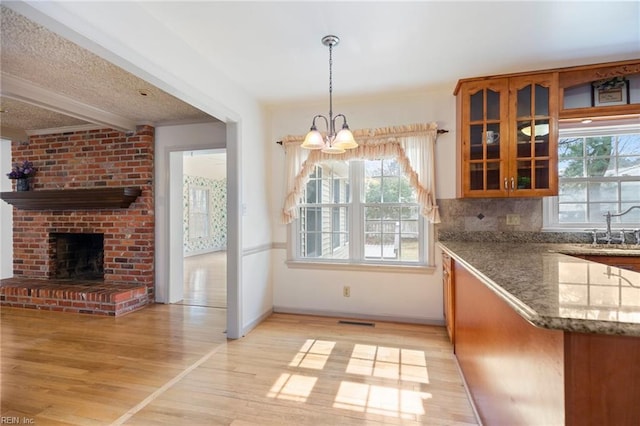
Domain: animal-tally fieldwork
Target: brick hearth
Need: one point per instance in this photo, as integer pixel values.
(84, 297)
(83, 160)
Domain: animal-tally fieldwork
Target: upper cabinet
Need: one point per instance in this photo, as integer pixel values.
(507, 126)
(507, 131)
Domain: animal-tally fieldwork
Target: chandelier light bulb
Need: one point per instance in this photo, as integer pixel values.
(344, 139)
(333, 149)
(313, 140)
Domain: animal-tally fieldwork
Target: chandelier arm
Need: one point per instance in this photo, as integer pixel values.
(326, 122)
(344, 120)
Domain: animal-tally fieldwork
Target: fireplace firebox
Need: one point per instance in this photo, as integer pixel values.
(78, 256)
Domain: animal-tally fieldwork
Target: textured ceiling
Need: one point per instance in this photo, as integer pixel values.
(40, 59)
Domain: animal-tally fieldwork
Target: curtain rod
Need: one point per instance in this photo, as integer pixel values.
(439, 131)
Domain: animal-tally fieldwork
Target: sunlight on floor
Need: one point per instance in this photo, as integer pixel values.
(390, 363)
(384, 400)
(313, 354)
(381, 362)
(293, 387)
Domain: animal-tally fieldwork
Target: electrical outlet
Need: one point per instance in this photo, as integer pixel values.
(346, 291)
(513, 219)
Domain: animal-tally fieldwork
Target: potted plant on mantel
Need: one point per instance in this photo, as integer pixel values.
(22, 173)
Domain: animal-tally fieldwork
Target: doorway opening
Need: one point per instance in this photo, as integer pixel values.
(205, 228)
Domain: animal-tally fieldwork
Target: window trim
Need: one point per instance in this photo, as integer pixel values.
(356, 266)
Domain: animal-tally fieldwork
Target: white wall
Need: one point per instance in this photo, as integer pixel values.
(6, 213)
(209, 165)
(414, 297)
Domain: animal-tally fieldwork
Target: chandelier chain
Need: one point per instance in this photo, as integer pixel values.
(332, 130)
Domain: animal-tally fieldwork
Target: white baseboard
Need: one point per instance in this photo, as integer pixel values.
(337, 314)
(246, 329)
(204, 251)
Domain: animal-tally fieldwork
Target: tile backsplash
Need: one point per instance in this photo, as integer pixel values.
(490, 214)
(486, 220)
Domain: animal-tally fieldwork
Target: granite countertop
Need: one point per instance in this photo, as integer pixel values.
(554, 290)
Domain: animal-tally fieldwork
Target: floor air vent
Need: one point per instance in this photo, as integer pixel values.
(365, 324)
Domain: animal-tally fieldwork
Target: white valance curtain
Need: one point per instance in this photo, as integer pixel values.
(412, 146)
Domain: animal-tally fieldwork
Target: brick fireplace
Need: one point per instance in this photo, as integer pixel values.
(123, 238)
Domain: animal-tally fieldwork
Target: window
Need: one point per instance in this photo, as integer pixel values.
(362, 211)
(198, 213)
(599, 171)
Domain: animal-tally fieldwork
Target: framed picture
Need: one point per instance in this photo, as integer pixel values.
(614, 91)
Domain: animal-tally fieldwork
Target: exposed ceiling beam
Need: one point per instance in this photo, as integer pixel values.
(25, 91)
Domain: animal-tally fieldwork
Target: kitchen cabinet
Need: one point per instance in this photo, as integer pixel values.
(507, 125)
(513, 370)
(507, 136)
(519, 373)
(447, 293)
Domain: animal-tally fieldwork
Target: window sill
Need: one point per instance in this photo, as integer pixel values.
(368, 267)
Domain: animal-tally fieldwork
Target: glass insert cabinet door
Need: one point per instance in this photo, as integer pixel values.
(533, 169)
(508, 136)
(484, 109)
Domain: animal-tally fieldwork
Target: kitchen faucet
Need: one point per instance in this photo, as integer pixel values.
(608, 238)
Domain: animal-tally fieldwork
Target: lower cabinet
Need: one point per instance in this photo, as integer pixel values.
(520, 374)
(447, 293)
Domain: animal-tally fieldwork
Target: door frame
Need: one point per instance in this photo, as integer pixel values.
(169, 225)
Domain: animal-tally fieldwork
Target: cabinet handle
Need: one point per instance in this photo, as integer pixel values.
(506, 186)
(513, 183)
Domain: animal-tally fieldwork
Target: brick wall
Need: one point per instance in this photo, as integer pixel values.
(89, 159)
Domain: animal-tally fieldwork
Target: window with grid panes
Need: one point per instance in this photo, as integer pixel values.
(360, 211)
(599, 171)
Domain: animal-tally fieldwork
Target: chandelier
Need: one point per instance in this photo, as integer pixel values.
(330, 142)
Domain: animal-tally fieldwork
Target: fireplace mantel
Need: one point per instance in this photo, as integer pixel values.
(73, 199)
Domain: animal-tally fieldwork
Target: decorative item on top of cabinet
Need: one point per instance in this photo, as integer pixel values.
(578, 88)
(508, 136)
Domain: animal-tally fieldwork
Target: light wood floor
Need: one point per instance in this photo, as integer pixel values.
(172, 365)
(205, 280)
